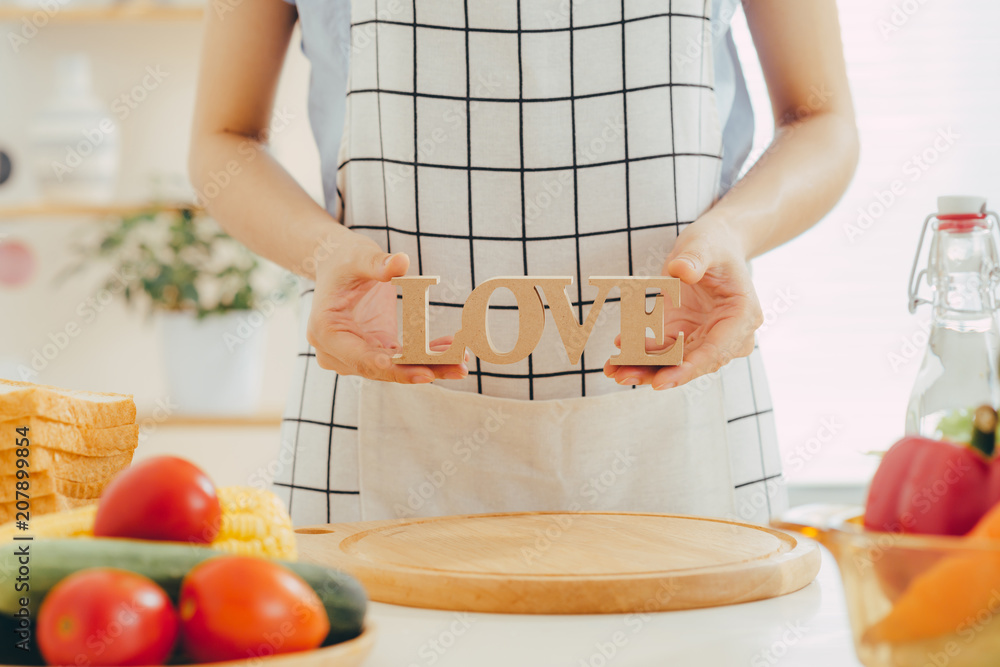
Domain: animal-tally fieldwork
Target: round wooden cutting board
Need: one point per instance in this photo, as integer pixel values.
(564, 563)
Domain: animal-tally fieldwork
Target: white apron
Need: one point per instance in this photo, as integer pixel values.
(507, 137)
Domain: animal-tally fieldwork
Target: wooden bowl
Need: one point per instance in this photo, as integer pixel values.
(351, 653)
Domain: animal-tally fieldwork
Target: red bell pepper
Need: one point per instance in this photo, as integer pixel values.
(994, 489)
(931, 487)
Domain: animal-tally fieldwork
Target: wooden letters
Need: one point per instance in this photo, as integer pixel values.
(528, 292)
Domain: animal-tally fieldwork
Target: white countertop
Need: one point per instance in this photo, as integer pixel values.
(808, 629)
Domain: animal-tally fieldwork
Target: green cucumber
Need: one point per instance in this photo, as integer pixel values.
(50, 561)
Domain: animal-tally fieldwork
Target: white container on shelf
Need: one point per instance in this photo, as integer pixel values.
(215, 366)
(75, 140)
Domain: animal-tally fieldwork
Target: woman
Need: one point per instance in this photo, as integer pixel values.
(478, 138)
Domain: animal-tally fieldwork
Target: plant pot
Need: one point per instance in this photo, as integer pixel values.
(214, 366)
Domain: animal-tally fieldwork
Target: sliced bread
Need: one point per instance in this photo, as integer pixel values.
(45, 484)
(42, 505)
(20, 400)
(69, 438)
(74, 467)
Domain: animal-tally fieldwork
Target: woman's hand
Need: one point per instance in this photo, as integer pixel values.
(719, 310)
(352, 324)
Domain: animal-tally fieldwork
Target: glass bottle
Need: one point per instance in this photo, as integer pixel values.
(959, 370)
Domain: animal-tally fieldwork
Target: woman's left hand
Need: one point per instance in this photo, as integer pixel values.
(719, 310)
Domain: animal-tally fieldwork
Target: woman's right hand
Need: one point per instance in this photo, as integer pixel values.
(352, 324)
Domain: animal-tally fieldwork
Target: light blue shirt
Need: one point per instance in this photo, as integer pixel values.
(326, 28)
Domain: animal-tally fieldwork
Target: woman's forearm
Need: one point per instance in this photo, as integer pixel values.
(237, 179)
(807, 167)
(259, 203)
(794, 184)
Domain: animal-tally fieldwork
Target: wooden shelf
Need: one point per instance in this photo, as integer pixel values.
(84, 210)
(236, 421)
(119, 12)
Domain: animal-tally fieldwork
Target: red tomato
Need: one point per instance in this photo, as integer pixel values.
(238, 607)
(104, 616)
(163, 498)
(929, 487)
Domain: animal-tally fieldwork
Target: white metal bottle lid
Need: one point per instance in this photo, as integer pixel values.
(961, 204)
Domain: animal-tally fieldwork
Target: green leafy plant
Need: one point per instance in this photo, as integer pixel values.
(181, 260)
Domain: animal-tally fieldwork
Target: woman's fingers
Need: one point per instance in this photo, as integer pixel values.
(693, 255)
(395, 265)
(345, 345)
(629, 375)
(441, 371)
(365, 346)
(636, 375)
(700, 248)
(342, 347)
(447, 371)
(443, 344)
(354, 357)
(727, 340)
(348, 354)
(370, 263)
(386, 339)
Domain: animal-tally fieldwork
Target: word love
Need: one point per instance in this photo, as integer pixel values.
(528, 291)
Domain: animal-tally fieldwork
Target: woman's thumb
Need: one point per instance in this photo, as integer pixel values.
(690, 263)
(383, 266)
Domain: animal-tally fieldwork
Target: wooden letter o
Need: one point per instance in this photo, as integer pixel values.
(530, 319)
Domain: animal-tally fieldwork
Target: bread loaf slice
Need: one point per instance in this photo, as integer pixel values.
(21, 400)
(78, 490)
(69, 438)
(72, 467)
(40, 484)
(44, 484)
(42, 505)
(76, 442)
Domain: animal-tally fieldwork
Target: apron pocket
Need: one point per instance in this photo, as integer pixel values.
(430, 451)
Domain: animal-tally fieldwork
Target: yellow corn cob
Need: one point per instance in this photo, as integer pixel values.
(254, 523)
(75, 522)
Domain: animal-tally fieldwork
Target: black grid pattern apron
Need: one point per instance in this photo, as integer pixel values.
(517, 137)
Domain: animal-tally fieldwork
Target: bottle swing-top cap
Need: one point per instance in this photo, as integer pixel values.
(955, 214)
(949, 205)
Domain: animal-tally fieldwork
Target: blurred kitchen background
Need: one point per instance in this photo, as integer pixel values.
(841, 348)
